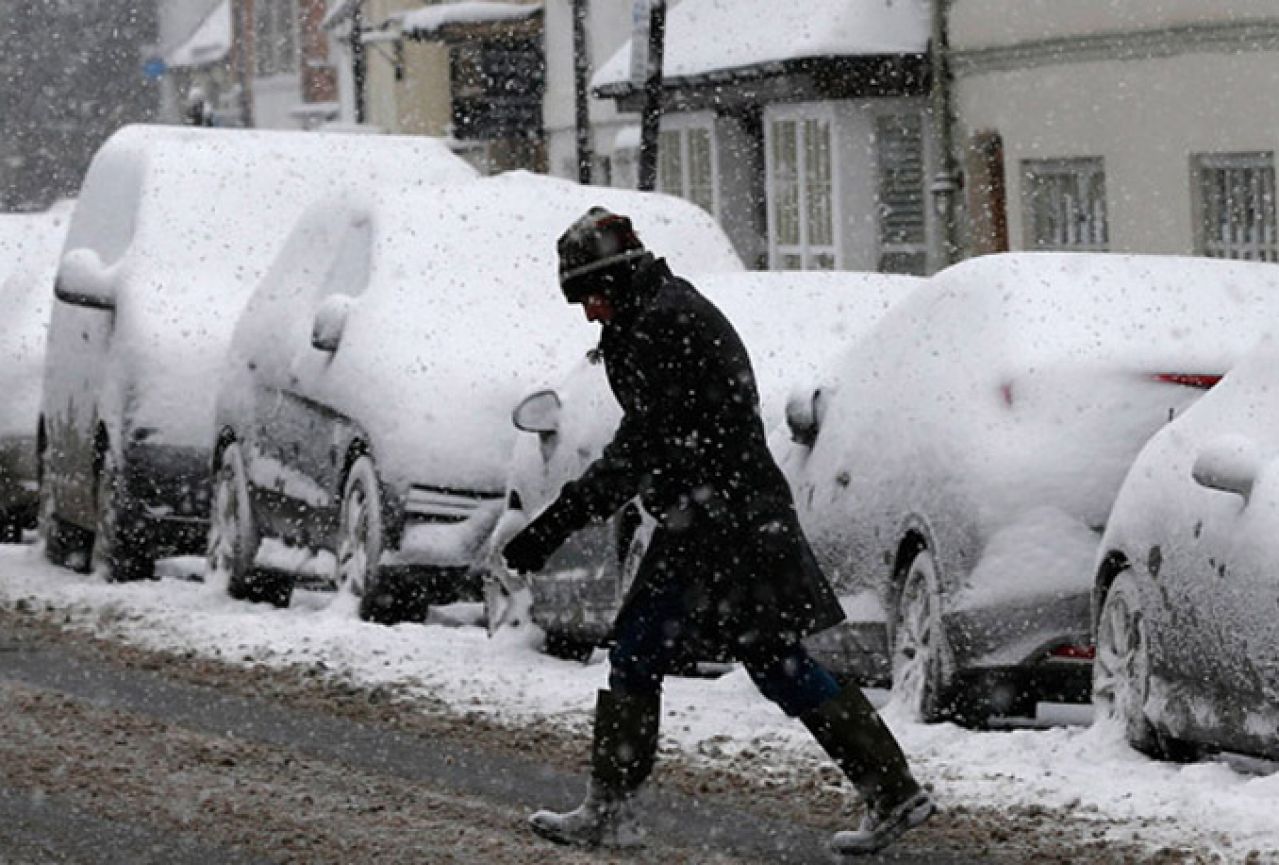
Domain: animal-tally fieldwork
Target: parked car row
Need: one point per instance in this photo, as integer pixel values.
(955, 467)
(297, 353)
(310, 372)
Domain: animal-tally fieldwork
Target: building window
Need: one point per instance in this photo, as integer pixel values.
(1066, 204)
(801, 194)
(686, 165)
(1235, 199)
(275, 36)
(899, 146)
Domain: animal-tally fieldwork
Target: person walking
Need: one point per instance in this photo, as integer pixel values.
(728, 570)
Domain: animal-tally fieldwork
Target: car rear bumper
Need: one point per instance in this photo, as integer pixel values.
(170, 485)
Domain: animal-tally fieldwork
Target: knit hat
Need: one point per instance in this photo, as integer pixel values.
(598, 240)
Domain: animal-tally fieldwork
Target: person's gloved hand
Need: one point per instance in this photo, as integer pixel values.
(527, 552)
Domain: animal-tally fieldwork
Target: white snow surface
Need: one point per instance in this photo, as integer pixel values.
(719, 35)
(429, 19)
(1221, 808)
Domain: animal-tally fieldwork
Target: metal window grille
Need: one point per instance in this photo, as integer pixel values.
(899, 145)
(1236, 204)
(801, 192)
(1066, 203)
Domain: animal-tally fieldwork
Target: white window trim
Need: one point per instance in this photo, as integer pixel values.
(804, 111)
(1032, 167)
(697, 121)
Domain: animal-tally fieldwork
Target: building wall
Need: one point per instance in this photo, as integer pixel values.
(1195, 82)
(608, 28)
(990, 23)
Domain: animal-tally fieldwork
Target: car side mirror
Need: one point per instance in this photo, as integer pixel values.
(539, 413)
(804, 412)
(83, 280)
(1229, 464)
(330, 322)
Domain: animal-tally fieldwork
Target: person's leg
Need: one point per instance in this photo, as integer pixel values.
(627, 717)
(845, 724)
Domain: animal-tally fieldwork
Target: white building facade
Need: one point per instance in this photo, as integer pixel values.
(1125, 127)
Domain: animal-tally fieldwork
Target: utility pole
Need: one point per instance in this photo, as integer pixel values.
(651, 120)
(945, 185)
(359, 63)
(581, 83)
(244, 57)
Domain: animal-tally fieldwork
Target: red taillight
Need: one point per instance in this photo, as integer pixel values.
(1202, 381)
(1074, 653)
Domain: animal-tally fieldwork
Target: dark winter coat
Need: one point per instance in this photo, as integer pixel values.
(692, 446)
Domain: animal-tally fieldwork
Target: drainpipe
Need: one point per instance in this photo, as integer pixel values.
(945, 186)
(359, 63)
(581, 81)
(651, 120)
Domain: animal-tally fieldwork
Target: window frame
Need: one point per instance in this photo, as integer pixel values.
(1083, 170)
(822, 113)
(680, 128)
(1209, 243)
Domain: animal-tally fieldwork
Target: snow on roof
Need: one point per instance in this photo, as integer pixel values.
(430, 19)
(210, 43)
(704, 36)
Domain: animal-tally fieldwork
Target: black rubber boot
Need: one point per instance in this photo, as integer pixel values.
(856, 738)
(622, 756)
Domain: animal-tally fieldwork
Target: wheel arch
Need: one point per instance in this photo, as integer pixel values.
(1112, 564)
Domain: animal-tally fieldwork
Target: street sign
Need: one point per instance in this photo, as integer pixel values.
(153, 68)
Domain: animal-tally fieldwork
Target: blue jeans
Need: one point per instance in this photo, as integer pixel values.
(648, 644)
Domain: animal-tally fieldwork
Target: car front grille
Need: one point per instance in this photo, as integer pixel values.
(444, 505)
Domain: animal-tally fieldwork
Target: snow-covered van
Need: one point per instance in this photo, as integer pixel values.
(364, 415)
(172, 230)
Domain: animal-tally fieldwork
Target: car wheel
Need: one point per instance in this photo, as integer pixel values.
(1121, 673)
(561, 645)
(234, 540)
(386, 597)
(119, 548)
(922, 665)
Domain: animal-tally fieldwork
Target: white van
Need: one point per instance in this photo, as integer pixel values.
(173, 229)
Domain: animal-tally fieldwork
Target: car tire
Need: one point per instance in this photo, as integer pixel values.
(385, 597)
(1121, 673)
(119, 547)
(922, 663)
(234, 539)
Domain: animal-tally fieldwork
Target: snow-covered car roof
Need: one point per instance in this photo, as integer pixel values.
(29, 245)
(709, 36)
(461, 311)
(186, 221)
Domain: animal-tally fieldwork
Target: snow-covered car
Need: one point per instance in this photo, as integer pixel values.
(172, 230)
(1186, 600)
(791, 323)
(364, 415)
(29, 244)
(956, 467)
